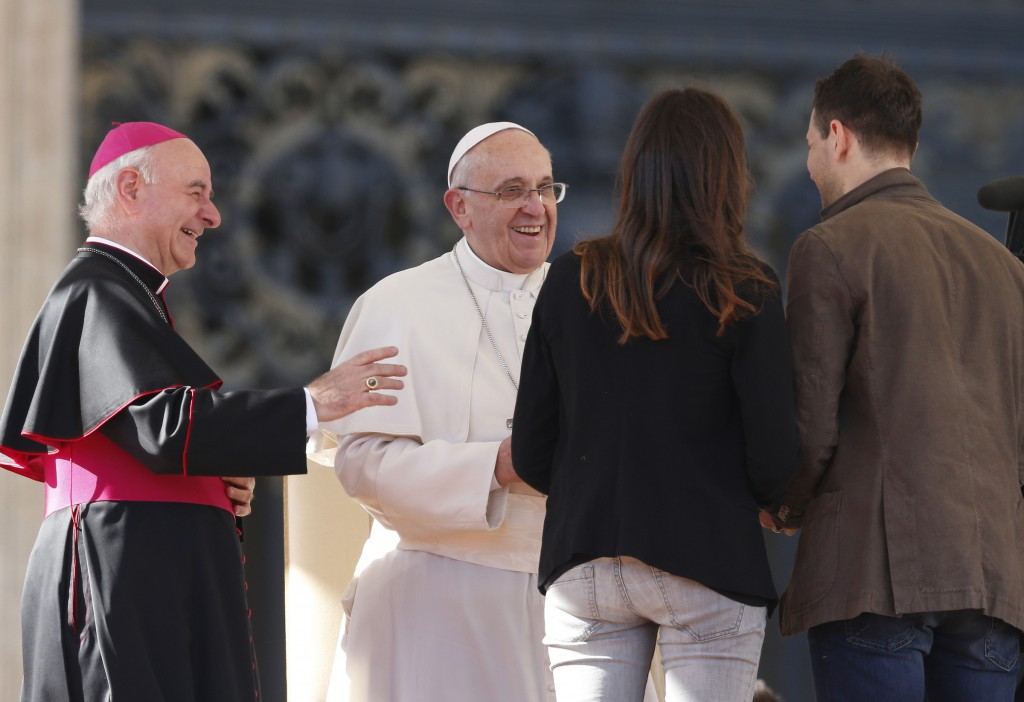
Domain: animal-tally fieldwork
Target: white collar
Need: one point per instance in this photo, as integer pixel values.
(120, 247)
(489, 277)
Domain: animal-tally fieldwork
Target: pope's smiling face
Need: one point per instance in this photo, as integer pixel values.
(511, 239)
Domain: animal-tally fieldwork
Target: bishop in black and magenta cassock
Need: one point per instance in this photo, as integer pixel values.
(135, 587)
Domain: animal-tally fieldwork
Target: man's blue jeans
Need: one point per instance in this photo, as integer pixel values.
(957, 656)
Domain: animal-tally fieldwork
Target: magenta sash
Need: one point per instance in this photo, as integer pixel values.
(95, 469)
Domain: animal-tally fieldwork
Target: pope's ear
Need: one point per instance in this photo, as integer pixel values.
(455, 201)
(126, 186)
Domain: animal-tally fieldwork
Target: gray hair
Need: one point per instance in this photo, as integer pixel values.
(462, 173)
(101, 190)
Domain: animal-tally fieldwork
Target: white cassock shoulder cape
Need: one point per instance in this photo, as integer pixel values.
(424, 311)
(442, 500)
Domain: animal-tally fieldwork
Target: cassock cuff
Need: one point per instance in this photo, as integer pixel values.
(311, 421)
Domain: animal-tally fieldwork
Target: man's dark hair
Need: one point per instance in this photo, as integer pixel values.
(876, 100)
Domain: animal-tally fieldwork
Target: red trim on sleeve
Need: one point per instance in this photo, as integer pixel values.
(58, 440)
(21, 461)
(188, 432)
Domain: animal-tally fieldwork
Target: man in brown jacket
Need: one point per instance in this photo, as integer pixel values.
(907, 325)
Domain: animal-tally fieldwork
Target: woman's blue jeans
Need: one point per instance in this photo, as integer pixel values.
(957, 656)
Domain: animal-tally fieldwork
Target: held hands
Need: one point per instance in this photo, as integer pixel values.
(771, 521)
(355, 383)
(239, 491)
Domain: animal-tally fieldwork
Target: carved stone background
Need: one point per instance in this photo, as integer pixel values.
(329, 168)
(329, 127)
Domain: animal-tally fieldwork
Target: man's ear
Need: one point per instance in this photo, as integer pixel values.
(455, 201)
(126, 185)
(842, 140)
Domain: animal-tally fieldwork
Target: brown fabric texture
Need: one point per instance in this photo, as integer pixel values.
(907, 325)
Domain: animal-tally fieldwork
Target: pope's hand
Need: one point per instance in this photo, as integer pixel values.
(504, 473)
(356, 383)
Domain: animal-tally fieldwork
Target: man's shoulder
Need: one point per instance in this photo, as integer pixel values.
(409, 283)
(85, 278)
(849, 227)
(409, 297)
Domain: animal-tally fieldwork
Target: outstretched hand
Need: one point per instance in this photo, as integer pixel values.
(356, 383)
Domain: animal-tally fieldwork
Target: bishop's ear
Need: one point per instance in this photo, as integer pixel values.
(126, 184)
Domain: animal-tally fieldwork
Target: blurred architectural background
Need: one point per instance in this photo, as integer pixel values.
(329, 125)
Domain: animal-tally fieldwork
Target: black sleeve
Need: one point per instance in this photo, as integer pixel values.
(762, 372)
(535, 426)
(196, 431)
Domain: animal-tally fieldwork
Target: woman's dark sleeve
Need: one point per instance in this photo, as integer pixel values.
(535, 426)
(762, 373)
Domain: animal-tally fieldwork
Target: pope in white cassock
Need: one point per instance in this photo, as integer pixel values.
(445, 603)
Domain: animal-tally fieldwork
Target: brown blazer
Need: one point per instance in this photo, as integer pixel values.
(907, 325)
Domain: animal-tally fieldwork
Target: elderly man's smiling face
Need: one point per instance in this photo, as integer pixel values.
(177, 208)
(517, 240)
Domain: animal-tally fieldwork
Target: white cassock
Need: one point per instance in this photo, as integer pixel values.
(445, 603)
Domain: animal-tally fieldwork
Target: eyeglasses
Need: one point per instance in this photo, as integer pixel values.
(518, 196)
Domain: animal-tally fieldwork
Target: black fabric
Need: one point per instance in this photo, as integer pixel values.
(659, 450)
(145, 600)
(206, 432)
(147, 603)
(99, 344)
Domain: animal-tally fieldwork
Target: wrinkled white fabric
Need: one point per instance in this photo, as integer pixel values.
(445, 603)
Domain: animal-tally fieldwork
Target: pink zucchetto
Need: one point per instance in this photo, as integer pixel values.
(474, 136)
(128, 136)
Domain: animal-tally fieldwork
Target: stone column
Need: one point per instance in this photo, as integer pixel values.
(38, 173)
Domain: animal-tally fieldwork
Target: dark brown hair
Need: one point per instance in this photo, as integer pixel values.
(684, 190)
(876, 100)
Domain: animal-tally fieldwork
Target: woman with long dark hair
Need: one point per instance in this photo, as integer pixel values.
(655, 410)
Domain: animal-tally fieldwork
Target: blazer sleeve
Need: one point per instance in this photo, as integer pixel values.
(822, 330)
